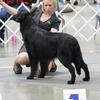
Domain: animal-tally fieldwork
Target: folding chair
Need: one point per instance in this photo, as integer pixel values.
(97, 18)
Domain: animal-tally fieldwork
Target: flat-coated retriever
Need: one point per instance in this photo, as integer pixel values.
(43, 46)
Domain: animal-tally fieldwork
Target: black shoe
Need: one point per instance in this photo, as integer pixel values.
(17, 69)
(54, 68)
(95, 2)
(75, 3)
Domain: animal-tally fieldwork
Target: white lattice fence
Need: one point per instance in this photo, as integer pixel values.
(80, 22)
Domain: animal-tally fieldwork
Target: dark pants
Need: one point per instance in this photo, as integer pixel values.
(4, 15)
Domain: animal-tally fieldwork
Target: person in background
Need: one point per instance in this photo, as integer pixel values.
(95, 1)
(75, 2)
(98, 10)
(46, 18)
(67, 1)
(4, 15)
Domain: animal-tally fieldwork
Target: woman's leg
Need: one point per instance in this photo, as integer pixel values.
(21, 59)
(52, 67)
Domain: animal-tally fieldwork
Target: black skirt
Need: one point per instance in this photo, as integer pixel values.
(22, 49)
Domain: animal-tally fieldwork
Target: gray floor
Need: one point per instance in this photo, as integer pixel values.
(16, 87)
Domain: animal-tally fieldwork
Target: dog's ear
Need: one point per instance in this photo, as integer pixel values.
(20, 16)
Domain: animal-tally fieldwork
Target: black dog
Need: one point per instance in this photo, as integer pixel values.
(43, 46)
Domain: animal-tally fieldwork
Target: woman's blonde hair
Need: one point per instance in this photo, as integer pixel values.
(54, 3)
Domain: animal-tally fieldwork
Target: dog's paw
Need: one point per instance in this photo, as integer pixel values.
(41, 76)
(70, 82)
(86, 79)
(79, 72)
(30, 77)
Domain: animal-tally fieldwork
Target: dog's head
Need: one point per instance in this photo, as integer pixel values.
(20, 16)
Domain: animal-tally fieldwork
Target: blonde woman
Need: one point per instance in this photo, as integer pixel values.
(46, 19)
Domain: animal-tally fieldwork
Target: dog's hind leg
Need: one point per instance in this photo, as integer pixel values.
(44, 68)
(79, 63)
(71, 69)
(86, 71)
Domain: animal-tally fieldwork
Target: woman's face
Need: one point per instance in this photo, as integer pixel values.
(48, 6)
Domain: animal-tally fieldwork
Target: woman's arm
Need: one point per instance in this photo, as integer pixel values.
(10, 9)
(55, 23)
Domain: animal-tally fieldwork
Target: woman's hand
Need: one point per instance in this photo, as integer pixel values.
(1, 2)
(10, 9)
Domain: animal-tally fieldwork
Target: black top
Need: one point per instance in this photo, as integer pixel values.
(52, 22)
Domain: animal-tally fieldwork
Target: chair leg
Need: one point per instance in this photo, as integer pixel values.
(96, 27)
(94, 36)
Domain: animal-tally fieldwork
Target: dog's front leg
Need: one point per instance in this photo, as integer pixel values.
(33, 68)
(44, 68)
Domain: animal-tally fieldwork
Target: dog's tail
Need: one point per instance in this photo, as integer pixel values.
(78, 60)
